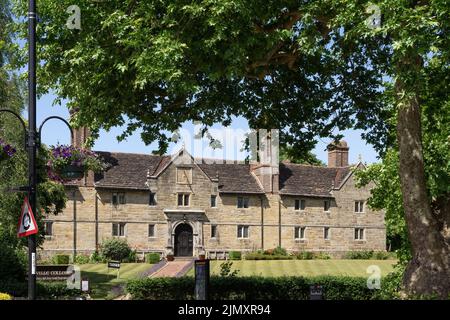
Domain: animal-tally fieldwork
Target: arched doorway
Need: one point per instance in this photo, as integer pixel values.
(184, 240)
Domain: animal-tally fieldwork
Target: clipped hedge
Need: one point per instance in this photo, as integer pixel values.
(251, 288)
(116, 249)
(152, 258)
(235, 255)
(261, 256)
(368, 255)
(44, 290)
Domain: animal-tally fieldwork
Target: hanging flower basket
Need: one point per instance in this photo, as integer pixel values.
(72, 172)
(68, 163)
(6, 150)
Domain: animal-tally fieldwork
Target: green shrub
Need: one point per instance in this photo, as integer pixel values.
(225, 269)
(305, 255)
(321, 255)
(382, 255)
(115, 249)
(260, 256)
(391, 285)
(251, 288)
(152, 257)
(44, 290)
(132, 257)
(82, 259)
(363, 255)
(279, 251)
(13, 262)
(235, 255)
(96, 257)
(61, 259)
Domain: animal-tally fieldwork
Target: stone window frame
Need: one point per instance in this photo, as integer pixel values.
(324, 205)
(121, 226)
(241, 231)
(359, 206)
(244, 202)
(153, 203)
(213, 196)
(358, 232)
(326, 233)
(46, 229)
(120, 199)
(300, 207)
(154, 230)
(214, 227)
(183, 201)
(298, 230)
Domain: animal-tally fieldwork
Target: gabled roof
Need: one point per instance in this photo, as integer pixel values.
(233, 177)
(127, 170)
(130, 171)
(307, 180)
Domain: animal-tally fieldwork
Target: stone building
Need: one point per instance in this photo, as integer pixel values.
(177, 204)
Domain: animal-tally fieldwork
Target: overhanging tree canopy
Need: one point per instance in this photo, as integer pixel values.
(305, 68)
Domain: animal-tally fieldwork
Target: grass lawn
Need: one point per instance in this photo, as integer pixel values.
(308, 268)
(104, 284)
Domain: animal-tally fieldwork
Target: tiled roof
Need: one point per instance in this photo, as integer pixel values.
(307, 180)
(127, 170)
(233, 177)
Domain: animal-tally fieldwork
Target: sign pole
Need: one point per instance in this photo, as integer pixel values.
(32, 142)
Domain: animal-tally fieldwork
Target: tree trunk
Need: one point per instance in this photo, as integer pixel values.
(428, 272)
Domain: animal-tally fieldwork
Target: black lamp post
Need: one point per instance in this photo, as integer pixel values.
(32, 177)
(32, 141)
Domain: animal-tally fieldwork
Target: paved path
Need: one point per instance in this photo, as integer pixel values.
(173, 269)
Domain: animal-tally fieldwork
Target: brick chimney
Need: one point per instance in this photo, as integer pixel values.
(338, 154)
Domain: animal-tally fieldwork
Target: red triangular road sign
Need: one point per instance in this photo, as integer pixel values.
(27, 224)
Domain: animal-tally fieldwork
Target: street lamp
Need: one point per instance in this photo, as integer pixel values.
(32, 141)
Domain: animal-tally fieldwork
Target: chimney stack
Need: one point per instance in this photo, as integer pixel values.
(80, 135)
(338, 154)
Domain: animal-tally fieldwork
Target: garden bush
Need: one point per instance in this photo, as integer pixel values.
(132, 257)
(44, 290)
(13, 263)
(251, 288)
(367, 255)
(364, 255)
(321, 255)
(82, 259)
(115, 249)
(5, 296)
(61, 259)
(279, 251)
(152, 257)
(261, 256)
(382, 255)
(235, 255)
(305, 255)
(96, 257)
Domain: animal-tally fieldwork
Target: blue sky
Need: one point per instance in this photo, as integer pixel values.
(55, 131)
